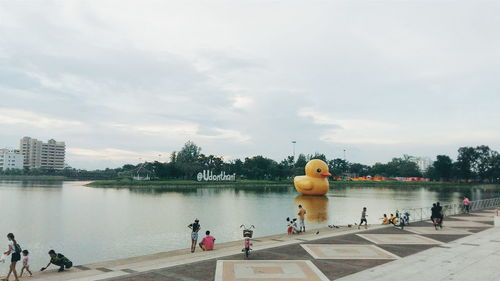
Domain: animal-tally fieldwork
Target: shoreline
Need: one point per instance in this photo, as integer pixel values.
(243, 184)
(158, 184)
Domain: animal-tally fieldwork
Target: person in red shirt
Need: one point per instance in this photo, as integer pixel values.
(207, 244)
(466, 203)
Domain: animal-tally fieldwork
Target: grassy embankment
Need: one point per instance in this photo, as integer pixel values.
(180, 183)
(126, 183)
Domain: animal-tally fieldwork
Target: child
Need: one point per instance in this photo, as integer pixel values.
(289, 228)
(363, 219)
(385, 220)
(26, 264)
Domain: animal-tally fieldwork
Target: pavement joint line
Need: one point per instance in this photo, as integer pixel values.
(470, 244)
(103, 269)
(127, 270)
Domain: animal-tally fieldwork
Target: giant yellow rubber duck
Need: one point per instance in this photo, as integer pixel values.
(315, 182)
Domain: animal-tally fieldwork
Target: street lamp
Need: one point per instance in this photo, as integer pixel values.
(294, 142)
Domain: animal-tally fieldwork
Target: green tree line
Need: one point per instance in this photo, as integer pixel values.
(473, 164)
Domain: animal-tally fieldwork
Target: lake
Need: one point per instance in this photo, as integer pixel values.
(90, 224)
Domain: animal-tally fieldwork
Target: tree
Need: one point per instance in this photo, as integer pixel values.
(495, 167)
(301, 161)
(259, 167)
(317, 155)
(187, 159)
(338, 166)
(358, 169)
(443, 167)
(482, 163)
(467, 156)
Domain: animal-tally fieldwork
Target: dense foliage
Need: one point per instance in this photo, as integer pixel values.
(479, 164)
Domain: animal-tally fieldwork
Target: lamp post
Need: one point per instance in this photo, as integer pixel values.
(293, 143)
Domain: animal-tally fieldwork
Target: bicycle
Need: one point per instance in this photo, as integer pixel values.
(247, 235)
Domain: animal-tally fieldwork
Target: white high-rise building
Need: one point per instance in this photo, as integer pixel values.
(37, 154)
(422, 162)
(10, 159)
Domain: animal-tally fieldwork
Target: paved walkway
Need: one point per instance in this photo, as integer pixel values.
(466, 250)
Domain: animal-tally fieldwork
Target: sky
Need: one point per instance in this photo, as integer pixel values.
(127, 81)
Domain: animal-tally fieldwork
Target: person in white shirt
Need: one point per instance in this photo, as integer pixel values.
(15, 255)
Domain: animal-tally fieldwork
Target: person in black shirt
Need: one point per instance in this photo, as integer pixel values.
(195, 227)
(440, 214)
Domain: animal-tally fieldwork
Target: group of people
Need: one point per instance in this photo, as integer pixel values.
(390, 220)
(207, 243)
(399, 220)
(15, 251)
(437, 215)
(294, 226)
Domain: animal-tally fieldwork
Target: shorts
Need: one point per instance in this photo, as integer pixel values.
(363, 220)
(301, 223)
(15, 257)
(194, 235)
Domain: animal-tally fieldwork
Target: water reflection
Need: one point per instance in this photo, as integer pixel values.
(316, 207)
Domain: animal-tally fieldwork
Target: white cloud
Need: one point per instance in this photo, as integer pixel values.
(111, 155)
(373, 132)
(242, 102)
(181, 130)
(31, 119)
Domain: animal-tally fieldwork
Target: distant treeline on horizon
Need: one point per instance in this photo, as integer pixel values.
(477, 164)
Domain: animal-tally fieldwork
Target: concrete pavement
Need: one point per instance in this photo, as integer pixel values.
(380, 253)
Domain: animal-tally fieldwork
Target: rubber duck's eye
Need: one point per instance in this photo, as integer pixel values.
(318, 170)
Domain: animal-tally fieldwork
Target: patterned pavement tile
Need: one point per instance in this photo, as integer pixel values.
(462, 223)
(350, 252)
(399, 239)
(432, 231)
(268, 270)
(476, 218)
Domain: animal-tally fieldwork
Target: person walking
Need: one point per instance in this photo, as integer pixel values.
(302, 216)
(14, 250)
(26, 263)
(434, 216)
(195, 227)
(440, 214)
(466, 203)
(363, 219)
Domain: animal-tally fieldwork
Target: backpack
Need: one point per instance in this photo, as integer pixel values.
(17, 248)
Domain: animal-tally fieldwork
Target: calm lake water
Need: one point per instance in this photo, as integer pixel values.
(93, 224)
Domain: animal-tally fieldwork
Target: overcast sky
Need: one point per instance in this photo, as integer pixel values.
(123, 80)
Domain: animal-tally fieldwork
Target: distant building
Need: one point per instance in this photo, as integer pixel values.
(37, 154)
(10, 159)
(422, 162)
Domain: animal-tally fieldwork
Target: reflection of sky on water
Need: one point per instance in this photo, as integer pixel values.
(93, 224)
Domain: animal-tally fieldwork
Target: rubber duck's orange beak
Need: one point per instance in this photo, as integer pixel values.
(326, 174)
